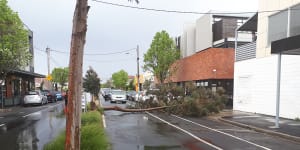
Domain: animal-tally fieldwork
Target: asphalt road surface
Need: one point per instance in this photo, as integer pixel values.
(157, 131)
(32, 127)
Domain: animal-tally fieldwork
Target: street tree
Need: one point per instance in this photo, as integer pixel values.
(107, 84)
(14, 42)
(91, 82)
(60, 76)
(78, 36)
(161, 55)
(120, 79)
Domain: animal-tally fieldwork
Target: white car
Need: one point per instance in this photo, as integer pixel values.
(118, 96)
(35, 97)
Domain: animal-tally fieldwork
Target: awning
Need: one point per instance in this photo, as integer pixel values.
(27, 73)
(288, 46)
(250, 24)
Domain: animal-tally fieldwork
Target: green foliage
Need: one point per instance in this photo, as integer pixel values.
(60, 75)
(120, 79)
(14, 41)
(92, 134)
(161, 55)
(91, 82)
(58, 143)
(91, 117)
(131, 85)
(107, 84)
(189, 101)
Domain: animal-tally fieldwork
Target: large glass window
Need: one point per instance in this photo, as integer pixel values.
(295, 20)
(278, 24)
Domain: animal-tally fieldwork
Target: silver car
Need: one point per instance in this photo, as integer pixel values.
(118, 96)
(35, 97)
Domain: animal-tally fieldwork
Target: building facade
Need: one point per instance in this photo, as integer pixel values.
(212, 30)
(20, 81)
(256, 67)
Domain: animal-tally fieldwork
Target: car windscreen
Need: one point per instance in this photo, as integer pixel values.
(118, 92)
(32, 93)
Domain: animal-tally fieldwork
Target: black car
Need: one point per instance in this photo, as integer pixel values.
(51, 95)
(130, 95)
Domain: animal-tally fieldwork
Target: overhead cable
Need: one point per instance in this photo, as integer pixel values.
(181, 12)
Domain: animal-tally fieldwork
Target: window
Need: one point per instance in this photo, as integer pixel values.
(295, 21)
(277, 26)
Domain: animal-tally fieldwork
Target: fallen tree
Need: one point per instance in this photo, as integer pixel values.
(117, 108)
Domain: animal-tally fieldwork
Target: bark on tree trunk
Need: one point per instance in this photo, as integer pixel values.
(75, 76)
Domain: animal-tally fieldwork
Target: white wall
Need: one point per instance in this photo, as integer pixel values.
(204, 34)
(190, 39)
(255, 86)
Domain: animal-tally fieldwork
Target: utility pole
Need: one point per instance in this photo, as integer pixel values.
(138, 66)
(73, 120)
(48, 59)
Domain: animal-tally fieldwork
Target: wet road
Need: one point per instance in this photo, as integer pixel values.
(31, 127)
(156, 131)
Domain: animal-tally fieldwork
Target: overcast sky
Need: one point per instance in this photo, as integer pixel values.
(110, 29)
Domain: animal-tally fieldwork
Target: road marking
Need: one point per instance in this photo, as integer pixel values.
(234, 130)
(103, 120)
(2, 125)
(185, 131)
(222, 133)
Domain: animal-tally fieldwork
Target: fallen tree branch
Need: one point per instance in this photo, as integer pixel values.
(117, 108)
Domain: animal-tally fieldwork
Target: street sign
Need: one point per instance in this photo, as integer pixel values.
(49, 77)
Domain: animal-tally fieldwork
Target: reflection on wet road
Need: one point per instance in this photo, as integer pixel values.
(138, 131)
(32, 132)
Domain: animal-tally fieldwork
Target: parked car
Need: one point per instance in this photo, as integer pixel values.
(34, 97)
(117, 96)
(51, 95)
(105, 93)
(59, 96)
(83, 103)
(130, 95)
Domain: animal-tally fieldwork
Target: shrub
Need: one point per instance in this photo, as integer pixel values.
(92, 117)
(92, 134)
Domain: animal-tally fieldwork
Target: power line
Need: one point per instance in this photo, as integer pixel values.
(111, 53)
(181, 12)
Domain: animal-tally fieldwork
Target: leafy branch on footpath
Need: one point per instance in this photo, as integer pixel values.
(189, 101)
(14, 43)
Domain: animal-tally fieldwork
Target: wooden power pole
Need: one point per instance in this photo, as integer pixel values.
(75, 76)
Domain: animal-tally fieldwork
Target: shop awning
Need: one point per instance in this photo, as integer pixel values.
(288, 46)
(27, 73)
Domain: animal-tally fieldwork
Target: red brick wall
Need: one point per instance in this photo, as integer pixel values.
(200, 66)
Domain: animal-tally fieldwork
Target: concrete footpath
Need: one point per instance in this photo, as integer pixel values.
(288, 129)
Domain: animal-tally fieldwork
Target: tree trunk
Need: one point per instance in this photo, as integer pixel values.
(117, 108)
(75, 76)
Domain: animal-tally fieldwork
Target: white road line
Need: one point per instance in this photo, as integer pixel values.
(223, 133)
(2, 125)
(185, 131)
(103, 117)
(103, 120)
